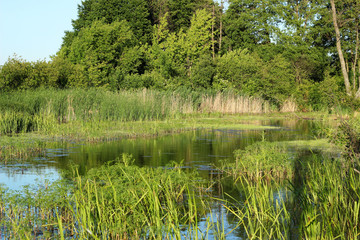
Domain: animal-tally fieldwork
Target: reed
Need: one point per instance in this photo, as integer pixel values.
(46, 109)
(328, 198)
(263, 212)
(21, 148)
(232, 104)
(116, 201)
(319, 200)
(261, 161)
(289, 105)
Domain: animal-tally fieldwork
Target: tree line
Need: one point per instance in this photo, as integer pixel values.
(274, 49)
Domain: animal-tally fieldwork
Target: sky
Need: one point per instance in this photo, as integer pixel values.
(33, 29)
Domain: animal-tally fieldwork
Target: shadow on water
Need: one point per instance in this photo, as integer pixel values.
(298, 190)
(198, 149)
(294, 191)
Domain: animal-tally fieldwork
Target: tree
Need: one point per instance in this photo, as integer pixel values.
(18, 74)
(179, 12)
(238, 69)
(249, 22)
(135, 12)
(13, 73)
(346, 26)
(174, 54)
(199, 37)
(299, 35)
(98, 49)
(277, 81)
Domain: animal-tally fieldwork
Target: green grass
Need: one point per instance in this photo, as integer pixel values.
(21, 146)
(260, 161)
(323, 145)
(116, 201)
(319, 200)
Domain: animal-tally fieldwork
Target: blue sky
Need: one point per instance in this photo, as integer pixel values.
(33, 29)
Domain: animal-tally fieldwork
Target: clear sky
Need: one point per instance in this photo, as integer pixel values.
(33, 29)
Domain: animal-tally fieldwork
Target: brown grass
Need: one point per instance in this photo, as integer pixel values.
(289, 105)
(233, 104)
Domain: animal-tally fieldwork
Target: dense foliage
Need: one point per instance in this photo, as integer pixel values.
(274, 49)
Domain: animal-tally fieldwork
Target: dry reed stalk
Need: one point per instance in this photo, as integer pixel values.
(217, 104)
(233, 104)
(206, 103)
(257, 105)
(289, 106)
(174, 106)
(144, 95)
(266, 107)
(71, 113)
(163, 105)
(187, 107)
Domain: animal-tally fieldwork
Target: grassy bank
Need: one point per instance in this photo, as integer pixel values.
(27, 118)
(30, 119)
(44, 110)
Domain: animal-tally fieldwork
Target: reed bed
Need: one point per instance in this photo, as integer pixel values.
(116, 201)
(21, 148)
(319, 200)
(261, 161)
(289, 106)
(46, 109)
(232, 104)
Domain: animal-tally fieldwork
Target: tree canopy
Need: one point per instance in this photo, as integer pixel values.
(273, 49)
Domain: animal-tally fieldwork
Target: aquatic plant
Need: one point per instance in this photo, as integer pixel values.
(46, 109)
(261, 161)
(320, 200)
(116, 201)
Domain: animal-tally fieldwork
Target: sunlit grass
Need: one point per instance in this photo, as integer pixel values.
(319, 200)
(116, 201)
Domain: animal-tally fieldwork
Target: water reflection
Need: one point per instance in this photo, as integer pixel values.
(199, 149)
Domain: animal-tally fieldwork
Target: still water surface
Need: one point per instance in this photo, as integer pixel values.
(200, 149)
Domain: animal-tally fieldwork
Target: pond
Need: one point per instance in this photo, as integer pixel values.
(201, 149)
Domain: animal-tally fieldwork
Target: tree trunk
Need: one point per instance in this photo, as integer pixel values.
(357, 94)
(221, 26)
(356, 57)
(212, 33)
(338, 47)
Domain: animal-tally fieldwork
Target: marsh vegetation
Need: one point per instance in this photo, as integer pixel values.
(215, 102)
(272, 187)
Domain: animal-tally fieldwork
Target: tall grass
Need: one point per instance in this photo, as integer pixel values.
(319, 200)
(45, 109)
(261, 161)
(116, 201)
(232, 103)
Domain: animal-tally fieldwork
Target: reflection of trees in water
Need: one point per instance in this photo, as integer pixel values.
(197, 148)
(194, 147)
